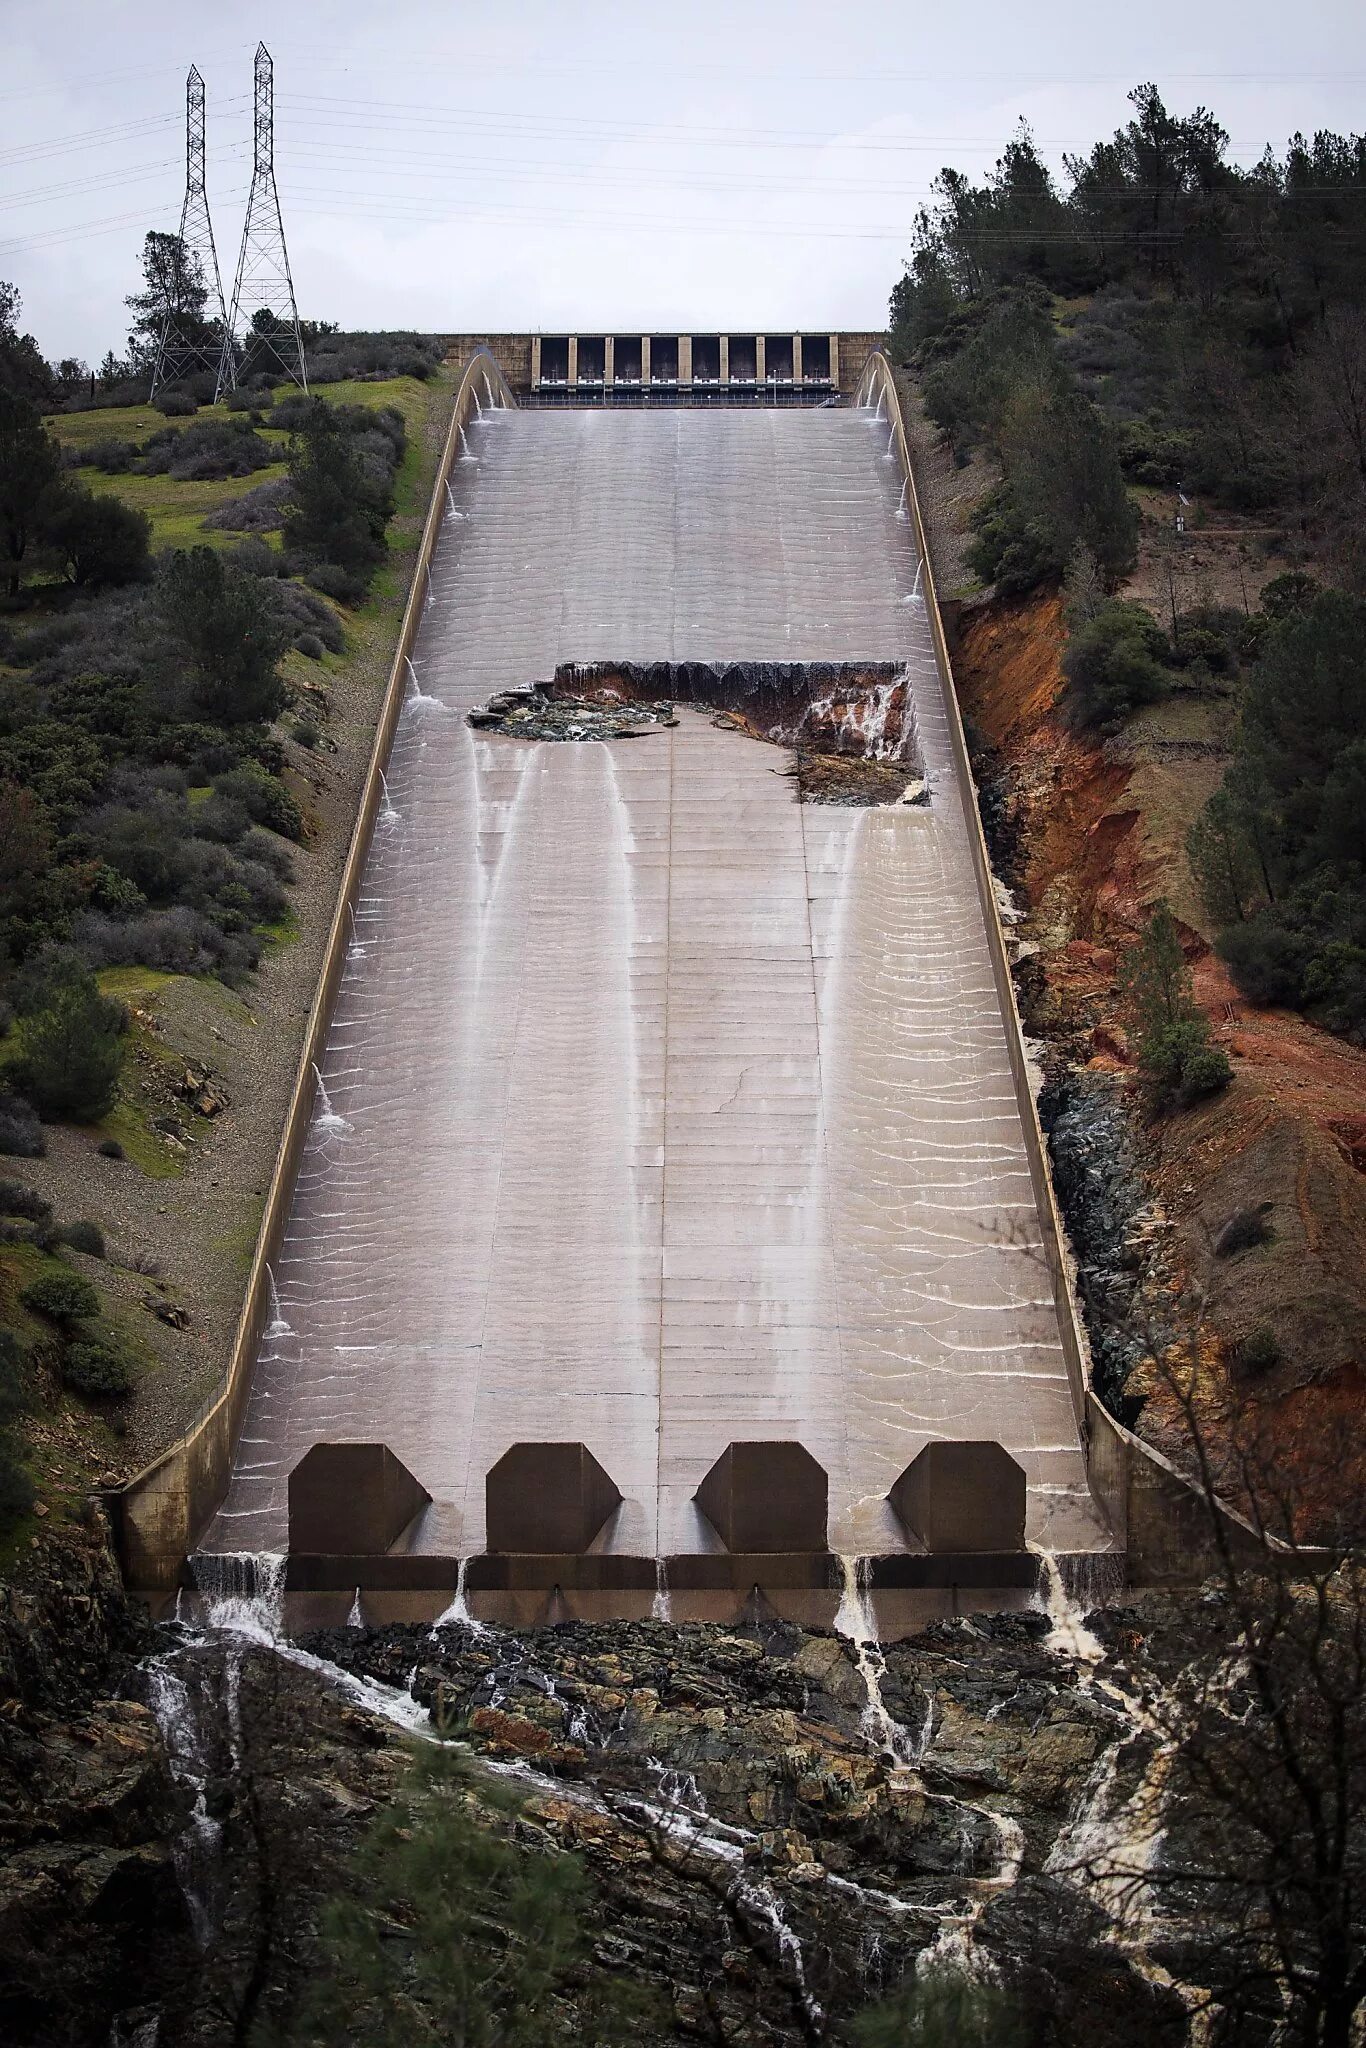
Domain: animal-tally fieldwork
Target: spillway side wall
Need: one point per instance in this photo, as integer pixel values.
(1155, 1513)
(159, 1515)
(877, 381)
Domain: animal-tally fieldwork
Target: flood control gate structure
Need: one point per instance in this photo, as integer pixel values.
(679, 1223)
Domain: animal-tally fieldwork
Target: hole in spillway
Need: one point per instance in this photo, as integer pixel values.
(849, 726)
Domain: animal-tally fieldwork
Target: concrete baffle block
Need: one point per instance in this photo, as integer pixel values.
(547, 1498)
(350, 1500)
(963, 1496)
(766, 1496)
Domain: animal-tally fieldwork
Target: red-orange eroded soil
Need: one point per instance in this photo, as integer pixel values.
(1100, 834)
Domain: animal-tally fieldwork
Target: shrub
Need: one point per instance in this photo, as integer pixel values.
(1008, 549)
(1212, 634)
(1265, 958)
(18, 1199)
(1152, 454)
(335, 582)
(218, 449)
(112, 456)
(1175, 1056)
(305, 733)
(99, 1366)
(1205, 1071)
(71, 1048)
(100, 541)
(1257, 1353)
(178, 941)
(309, 644)
(1180, 1064)
(110, 1148)
(291, 413)
(83, 1236)
(12, 1397)
(175, 405)
(264, 798)
(341, 496)
(222, 818)
(255, 557)
(260, 510)
(63, 1298)
(1244, 1229)
(1285, 597)
(17, 1491)
(223, 626)
(1113, 664)
(304, 611)
(21, 1134)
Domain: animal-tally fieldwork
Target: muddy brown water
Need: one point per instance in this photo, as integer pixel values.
(664, 1110)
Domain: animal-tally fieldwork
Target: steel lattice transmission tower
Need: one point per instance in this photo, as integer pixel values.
(264, 283)
(184, 344)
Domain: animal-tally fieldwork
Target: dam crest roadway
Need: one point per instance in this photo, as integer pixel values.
(661, 1111)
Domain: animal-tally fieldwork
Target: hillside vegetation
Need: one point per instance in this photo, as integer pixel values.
(187, 590)
(1168, 346)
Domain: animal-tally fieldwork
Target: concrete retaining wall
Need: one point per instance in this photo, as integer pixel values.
(159, 1516)
(1159, 1517)
(877, 380)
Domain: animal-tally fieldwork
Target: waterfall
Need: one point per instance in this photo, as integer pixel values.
(901, 511)
(387, 814)
(488, 391)
(660, 1610)
(857, 1623)
(195, 1851)
(458, 1614)
(1071, 1637)
(243, 1591)
(466, 454)
(479, 410)
(355, 1619)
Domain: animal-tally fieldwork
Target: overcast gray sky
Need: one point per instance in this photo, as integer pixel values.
(522, 164)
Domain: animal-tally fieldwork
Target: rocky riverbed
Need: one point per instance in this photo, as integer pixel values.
(777, 1823)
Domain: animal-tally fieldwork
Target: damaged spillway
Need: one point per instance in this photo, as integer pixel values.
(671, 1197)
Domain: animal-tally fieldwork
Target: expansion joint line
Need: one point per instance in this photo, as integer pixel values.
(823, 1100)
(664, 1158)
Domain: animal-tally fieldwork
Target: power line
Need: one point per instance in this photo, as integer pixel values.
(263, 271)
(186, 342)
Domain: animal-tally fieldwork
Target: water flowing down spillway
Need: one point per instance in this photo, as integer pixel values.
(664, 1110)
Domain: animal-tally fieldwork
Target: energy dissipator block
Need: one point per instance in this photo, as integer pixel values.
(351, 1500)
(766, 1497)
(547, 1498)
(963, 1496)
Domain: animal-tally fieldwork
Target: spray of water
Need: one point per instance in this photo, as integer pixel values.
(416, 695)
(276, 1326)
(327, 1119)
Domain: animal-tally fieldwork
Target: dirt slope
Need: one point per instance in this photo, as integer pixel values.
(1098, 834)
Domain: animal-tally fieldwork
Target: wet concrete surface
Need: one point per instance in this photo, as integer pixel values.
(663, 1110)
